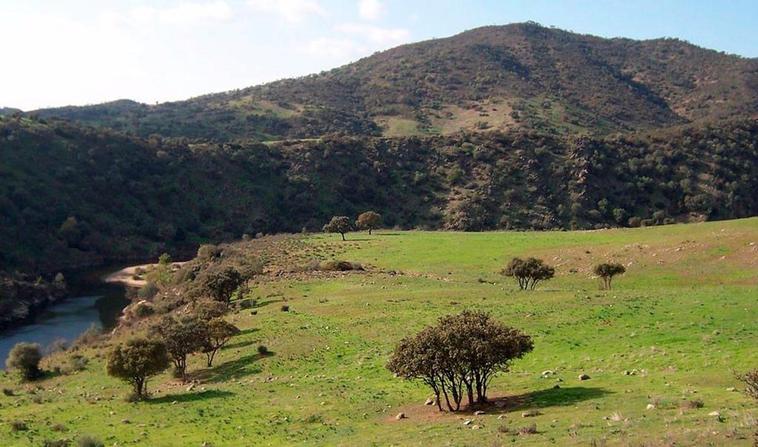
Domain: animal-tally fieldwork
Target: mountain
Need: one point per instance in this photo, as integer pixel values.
(8, 111)
(491, 78)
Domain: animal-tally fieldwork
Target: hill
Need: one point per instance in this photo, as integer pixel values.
(659, 349)
(77, 196)
(492, 78)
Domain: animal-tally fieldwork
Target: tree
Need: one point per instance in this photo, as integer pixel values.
(528, 272)
(137, 360)
(220, 284)
(182, 337)
(218, 333)
(338, 224)
(368, 221)
(207, 310)
(606, 271)
(462, 353)
(25, 358)
(164, 259)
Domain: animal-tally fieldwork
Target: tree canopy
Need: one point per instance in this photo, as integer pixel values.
(528, 272)
(135, 361)
(606, 271)
(338, 224)
(460, 354)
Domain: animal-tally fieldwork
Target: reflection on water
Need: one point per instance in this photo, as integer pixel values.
(100, 305)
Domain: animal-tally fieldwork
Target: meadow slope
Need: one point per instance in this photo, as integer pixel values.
(673, 331)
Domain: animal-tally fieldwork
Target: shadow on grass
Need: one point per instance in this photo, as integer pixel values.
(536, 400)
(233, 369)
(264, 303)
(239, 344)
(190, 397)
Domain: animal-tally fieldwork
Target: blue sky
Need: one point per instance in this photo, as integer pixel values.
(87, 51)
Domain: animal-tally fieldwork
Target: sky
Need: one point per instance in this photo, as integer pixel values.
(77, 52)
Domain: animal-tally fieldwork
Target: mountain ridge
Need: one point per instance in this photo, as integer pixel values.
(489, 78)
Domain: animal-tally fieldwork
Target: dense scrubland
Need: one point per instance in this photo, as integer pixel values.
(653, 361)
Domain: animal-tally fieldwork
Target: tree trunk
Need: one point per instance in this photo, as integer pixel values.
(343, 236)
(369, 231)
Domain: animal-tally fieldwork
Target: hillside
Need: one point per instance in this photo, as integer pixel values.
(491, 78)
(76, 196)
(659, 349)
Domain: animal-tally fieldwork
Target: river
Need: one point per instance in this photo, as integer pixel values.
(95, 303)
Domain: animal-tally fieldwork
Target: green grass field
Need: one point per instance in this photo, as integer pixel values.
(681, 321)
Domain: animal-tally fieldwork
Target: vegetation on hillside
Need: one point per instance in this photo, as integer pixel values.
(497, 77)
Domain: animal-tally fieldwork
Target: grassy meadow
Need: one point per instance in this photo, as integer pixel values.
(671, 334)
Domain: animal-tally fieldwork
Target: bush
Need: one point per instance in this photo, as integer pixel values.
(143, 309)
(89, 441)
(750, 379)
(285, 308)
(148, 291)
(19, 426)
(56, 443)
(464, 350)
(262, 350)
(25, 358)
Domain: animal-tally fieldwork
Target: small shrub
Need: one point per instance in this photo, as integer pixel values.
(89, 337)
(89, 441)
(8, 392)
(148, 291)
(77, 362)
(285, 308)
(750, 379)
(692, 404)
(263, 350)
(143, 309)
(19, 426)
(528, 430)
(58, 427)
(25, 358)
(56, 443)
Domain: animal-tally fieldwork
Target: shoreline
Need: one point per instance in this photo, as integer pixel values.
(126, 275)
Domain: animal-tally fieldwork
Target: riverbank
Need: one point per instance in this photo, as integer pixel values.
(133, 276)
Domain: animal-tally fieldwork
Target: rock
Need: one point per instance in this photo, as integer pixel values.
(548, 373)
(478, 413)
(475, 427)
(650, 407)
(714, 414)
(556, 386)
(191, 387)
(126, 421)
(731, 388)
(530, 414)
(502, 416)
(400, 416)
(467, 422)
(584, 377)
(429, 401)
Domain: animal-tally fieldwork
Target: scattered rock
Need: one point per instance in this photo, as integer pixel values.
(650, 407)
(547, 373)
(478, 413)
(191, 387)
(530, 414)
(731, 388)
(502, 416)
(584, 377)
(467, 422)
(429, 401)
(714, 414)
(126, 421)
(475, 427)
(400, 416)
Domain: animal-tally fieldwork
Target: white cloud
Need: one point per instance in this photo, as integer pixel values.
(375, 34)
(293, 11)
(370, 9)
(182, 14)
